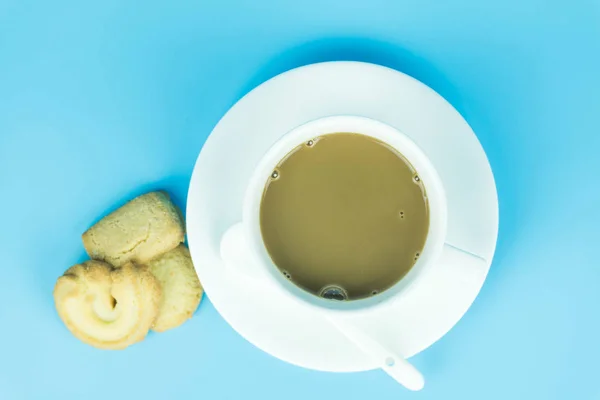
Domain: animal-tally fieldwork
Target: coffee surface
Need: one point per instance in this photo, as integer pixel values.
(344, 216)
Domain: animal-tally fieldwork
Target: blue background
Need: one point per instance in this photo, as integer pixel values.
(104, 100)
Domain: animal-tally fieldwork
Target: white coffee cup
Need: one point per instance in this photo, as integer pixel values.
(243, 249)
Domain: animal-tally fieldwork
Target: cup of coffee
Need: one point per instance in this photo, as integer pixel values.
(345, 215)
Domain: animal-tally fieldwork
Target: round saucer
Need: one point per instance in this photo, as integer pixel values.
(280, 326)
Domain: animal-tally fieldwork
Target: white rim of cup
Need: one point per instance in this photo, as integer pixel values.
(377, 130)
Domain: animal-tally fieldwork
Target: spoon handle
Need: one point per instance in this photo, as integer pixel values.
(394, 365)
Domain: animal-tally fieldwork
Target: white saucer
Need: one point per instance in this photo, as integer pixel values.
(279, 326)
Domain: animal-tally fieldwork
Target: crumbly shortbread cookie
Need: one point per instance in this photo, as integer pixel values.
(142, 229)
(181, 288)
(106, 307)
